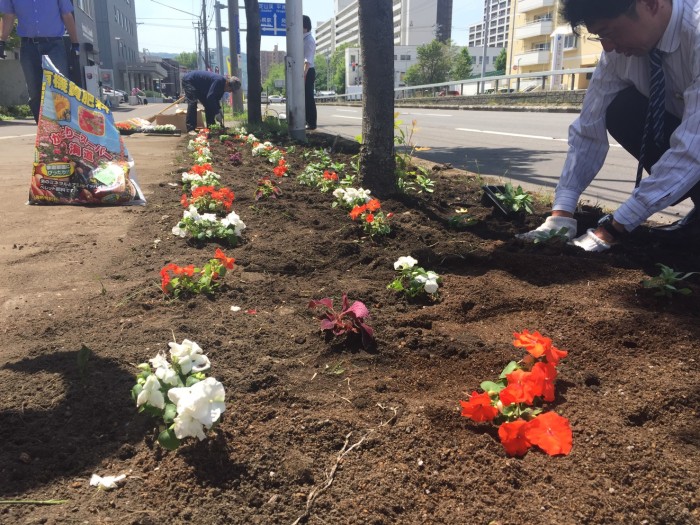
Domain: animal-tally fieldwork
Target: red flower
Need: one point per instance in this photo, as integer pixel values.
(165, 276)
(552, 354)
(199, 169)
(184, 201)
(513, 437)
(547, 374)
(369, 218)
(281, 169)
(522, 388)
(330, 175)
(226, 261)
(357, 211)
(373, 205)
(551, 432)
(479, 407)
(534, 343)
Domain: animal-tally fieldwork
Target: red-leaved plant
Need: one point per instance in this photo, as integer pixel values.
(350, 319)
(513, 402)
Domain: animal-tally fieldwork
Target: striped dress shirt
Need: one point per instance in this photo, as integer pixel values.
(678, 170)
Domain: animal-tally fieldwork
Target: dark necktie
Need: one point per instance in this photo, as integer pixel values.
(654, 125)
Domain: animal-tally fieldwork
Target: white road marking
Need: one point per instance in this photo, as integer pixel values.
(346, 116)
(18, 136)
(521, 135)
(347, 110)
(427, 114)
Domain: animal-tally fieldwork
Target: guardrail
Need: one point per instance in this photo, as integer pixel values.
(519, 83)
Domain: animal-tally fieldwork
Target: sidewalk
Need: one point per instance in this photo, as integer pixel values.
(55, 255)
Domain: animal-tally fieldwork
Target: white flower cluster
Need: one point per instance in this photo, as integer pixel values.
(250, 139)
(275, 156)
(160, 128)
(261, 149)
(351, 197)
(198, 142)
(194, 222)
(414, 278)
(209, 178)
(197, 406)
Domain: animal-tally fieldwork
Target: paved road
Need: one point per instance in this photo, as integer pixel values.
(527, 148)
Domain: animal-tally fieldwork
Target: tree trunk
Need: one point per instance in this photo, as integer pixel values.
(377, 161)
(252, 16)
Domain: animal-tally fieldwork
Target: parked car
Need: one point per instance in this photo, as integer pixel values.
(325, 96)
(276, 99)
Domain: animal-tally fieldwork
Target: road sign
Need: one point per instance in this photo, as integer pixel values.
(273, 19)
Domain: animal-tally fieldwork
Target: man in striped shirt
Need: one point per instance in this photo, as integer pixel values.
(617, 101)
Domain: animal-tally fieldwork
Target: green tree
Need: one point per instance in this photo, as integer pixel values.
(434, 64)
(188, 60)
(276, 72)
(337, 68)
(461, 65)
(322, 69)
(501, 61)
(13, 40)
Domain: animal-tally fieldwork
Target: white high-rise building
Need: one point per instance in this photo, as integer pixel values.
(497, 12)
(416, 22)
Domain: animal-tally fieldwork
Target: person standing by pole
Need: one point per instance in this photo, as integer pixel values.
(41, 26)
(309, 74)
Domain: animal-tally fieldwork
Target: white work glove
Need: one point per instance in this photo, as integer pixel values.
(590, 242)
(552, 223)
(219, 118)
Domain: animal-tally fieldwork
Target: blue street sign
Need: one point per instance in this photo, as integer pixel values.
(273, 19)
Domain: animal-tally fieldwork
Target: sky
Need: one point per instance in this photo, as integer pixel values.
(165, 26)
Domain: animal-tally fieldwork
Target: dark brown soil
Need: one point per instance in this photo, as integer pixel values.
(630, 385)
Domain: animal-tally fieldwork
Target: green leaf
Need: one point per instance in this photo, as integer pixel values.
(135, 391)
(168, 440)
(491, 387)
(83, 356)
(169, 412)
(513, 365)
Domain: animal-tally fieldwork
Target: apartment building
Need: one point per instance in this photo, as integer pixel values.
(541, 41)
(497, 13)
(269, 58)
(416, 22)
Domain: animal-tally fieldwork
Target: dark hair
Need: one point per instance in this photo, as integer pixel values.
(306, 24)
(587, 12)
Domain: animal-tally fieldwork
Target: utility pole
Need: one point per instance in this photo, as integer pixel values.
(487, 17)
(294, 65)
(204, 32)
(233, 24)
(219, 39)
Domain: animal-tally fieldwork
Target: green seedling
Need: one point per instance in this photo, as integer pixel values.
(515, 199)
(666, 283)
(553, 236)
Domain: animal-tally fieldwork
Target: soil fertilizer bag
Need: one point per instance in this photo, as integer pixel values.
(79, 156)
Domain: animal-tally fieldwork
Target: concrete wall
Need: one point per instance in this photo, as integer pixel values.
(13, 90)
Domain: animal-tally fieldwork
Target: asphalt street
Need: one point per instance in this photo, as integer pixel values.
(527, 148)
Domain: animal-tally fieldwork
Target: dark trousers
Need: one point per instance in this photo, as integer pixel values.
(191, 99)
(309, 97)
(625, 119)
(30, 53)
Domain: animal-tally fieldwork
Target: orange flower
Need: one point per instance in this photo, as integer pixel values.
(479, 407)
(183, 201)
(522, 388)
(552, 354)
(165, 276)
(281, 169)
(199, 169)
(369, 218)
(513, 437)
(534, 343)
(547, 374)
(551, 432)
(226, 261)
(357, 211)
(330, 175)
(373, 205)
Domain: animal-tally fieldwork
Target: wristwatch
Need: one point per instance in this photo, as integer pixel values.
(606, 222)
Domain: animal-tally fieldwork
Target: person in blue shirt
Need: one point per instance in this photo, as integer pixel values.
(208, 88)
(40, 26)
